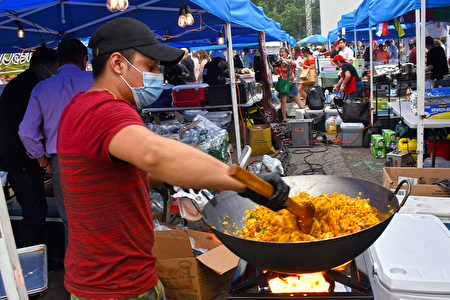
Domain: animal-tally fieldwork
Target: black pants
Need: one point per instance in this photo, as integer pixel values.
(27, 183)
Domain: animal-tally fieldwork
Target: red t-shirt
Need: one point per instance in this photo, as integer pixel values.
(107, 202)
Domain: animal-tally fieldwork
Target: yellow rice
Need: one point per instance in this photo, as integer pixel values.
(336, 215)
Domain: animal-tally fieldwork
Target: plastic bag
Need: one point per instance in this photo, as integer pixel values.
(158, 227)
(273, 164)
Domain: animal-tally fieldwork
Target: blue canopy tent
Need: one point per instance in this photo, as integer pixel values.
(314, 39)
(333, 35)
(48, 21)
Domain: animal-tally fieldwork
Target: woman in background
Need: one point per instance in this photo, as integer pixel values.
(281, 69)
(309, 63)
(204, 57)
(196, 59)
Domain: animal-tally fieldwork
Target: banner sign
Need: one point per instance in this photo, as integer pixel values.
(13, 63)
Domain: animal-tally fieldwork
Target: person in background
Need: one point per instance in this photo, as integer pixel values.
(215, 71)
(412, 55)
(298, 59)
(336, 50)
(308, 63)
(25, 175)
(393, 52)
(204, 57)
(401, 53)
(189, 64)
(110, 159)
(281, 69)
(436, 59)
(248, 59)
(316, 52)
(350, 81)
(382, 55)
(442, 43)
(238, 62)
(196, 59)
(346, 52)
(361, 48)
(39, 127)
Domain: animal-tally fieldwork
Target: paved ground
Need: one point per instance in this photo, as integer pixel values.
(332, 159)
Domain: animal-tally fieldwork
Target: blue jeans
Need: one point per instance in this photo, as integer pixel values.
(359, 91)
(27, 183)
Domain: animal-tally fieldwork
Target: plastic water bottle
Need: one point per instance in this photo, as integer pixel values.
(327, 95)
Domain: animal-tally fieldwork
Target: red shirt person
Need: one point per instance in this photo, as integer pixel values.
(109, 159)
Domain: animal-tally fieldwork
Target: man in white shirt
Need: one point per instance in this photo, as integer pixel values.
(248, 59)
(393, 52)
(346, 52)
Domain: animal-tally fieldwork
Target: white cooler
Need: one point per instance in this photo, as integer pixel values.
(410, 260)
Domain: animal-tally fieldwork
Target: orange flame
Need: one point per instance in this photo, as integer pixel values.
(313, 282)
(341, 267)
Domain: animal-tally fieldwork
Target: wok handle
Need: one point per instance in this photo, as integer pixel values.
(252, 181)
(408, 191)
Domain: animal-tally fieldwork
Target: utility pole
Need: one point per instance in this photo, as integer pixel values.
(308, 17)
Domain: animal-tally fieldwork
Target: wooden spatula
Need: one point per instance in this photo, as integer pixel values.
(304, 211)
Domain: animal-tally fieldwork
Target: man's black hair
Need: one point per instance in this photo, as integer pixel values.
(245, 49)
(99, 62)
(43, 55)
(387, 42)
(429, 41)
(343, 39)
(71, 51)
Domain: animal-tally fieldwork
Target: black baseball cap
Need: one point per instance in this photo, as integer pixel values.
(125, 33)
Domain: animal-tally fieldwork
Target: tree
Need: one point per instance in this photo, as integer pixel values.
(291, 15)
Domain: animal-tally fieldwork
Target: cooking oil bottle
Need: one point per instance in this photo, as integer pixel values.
(330, 123)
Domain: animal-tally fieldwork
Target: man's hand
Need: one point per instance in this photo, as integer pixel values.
(44, 163)
(280, 194)
(336, 88)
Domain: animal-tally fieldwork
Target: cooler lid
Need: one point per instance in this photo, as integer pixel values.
(352, 125)
(190, 86)
(412, 255)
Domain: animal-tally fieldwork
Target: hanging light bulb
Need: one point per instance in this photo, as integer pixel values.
(182, 18)
(189, 17)
(123, 4)
(20, 32)
(116, 5)
(220, 40)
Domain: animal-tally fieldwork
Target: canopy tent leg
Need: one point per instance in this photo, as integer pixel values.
(420, 49)
(356, 50)
(233, 89)
(10, 268)
(371, 73)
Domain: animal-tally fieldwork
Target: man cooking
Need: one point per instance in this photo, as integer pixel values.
(350, 81)
(109, 159)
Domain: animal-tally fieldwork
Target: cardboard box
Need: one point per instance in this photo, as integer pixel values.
(377, 152)
(423, 179)
(187, 277)
(389, 136)
(377, 141)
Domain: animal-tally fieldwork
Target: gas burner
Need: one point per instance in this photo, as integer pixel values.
(251, 282)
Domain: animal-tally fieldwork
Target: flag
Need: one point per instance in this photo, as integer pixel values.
(385, 30)
(379, 30)
(399, 28)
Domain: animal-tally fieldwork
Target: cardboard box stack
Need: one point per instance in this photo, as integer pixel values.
(186, 275)
(377, 146)
(390, 137)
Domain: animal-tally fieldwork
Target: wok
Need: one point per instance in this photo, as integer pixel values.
(302, 257)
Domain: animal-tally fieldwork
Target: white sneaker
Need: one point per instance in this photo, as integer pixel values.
(275, 105)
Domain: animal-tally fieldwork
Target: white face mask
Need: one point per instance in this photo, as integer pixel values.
(152, 88)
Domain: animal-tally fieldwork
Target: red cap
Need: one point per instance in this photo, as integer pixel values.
(338, 57)
(336, 43)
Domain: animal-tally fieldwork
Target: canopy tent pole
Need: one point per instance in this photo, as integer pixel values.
(448, 40)
(10, 269)
(371, 73)
(356, 51)
(233, 89)
(421, 80)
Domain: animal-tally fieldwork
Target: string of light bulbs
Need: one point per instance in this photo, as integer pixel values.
(117, 5)
(185, 16)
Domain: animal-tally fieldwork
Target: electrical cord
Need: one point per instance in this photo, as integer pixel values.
(314, 168)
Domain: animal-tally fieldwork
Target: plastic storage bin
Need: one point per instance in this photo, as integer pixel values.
(189, 95)
(33, 261)
(349, 131)
(221, 94)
